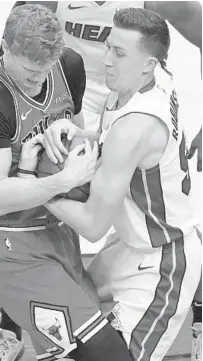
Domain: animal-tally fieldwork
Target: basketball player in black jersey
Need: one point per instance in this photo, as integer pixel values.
(41, 280)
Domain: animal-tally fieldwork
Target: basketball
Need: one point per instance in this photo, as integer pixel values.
(46, 168)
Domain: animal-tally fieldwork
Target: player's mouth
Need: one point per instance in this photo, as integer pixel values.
(34, 82)
(108, 71)
(109, 74)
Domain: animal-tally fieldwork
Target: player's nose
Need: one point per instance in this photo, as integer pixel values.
(108, 61)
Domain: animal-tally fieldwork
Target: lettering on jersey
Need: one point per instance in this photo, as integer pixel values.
(88, 32)
(61, 97)
(174, 113)
(43, 124)
(67, 114)
(38, 128)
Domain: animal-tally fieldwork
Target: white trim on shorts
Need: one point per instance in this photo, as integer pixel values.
(27, 229)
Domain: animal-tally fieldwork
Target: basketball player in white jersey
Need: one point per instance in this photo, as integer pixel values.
(86, 26)
(149, 270)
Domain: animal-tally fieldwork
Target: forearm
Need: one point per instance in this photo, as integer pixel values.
(23, 193)
(78, 120)
(85, 133)
(89, 134)
(75, 214)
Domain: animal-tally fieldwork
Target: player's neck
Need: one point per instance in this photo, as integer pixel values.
(124, 97)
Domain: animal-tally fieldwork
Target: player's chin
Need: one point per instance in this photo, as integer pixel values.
(33, 84)
(110, 82)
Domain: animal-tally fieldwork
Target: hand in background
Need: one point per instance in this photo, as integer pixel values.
(197, 145)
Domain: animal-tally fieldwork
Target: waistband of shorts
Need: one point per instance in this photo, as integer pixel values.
(32, 225)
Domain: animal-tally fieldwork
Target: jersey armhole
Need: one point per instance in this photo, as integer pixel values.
(18, 123)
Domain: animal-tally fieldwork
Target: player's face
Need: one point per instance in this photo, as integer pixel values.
(28, 74)
(124, 61)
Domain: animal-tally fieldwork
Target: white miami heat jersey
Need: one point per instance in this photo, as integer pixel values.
(158, 206)
(86, 25)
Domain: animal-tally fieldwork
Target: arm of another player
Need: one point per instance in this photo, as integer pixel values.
(197, 145)
(16, 193)
(111, 182)
(185, 16)
(27, 191)
(78, 120)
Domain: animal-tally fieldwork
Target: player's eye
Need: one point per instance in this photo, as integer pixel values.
(119, 54)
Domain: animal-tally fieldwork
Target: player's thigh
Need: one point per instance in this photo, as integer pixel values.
(42, 298)
(103, 269)
(154, 301)
(50, 306)
(183, 298)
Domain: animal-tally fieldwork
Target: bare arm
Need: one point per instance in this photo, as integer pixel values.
(185, 16)
(17, 194)
(28, 191)
(78, 120)
(111, 181)
(197, 146)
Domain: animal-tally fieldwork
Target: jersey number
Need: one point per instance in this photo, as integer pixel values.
(186, 183)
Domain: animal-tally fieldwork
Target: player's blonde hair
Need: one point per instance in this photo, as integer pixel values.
(33, 31)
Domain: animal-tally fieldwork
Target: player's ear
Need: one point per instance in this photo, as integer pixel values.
(4, 46)
(150, 64)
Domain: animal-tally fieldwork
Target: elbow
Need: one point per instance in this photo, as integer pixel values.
(96, 226)
(93, 238)
(94, 234)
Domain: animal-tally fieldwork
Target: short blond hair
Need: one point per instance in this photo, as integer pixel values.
(33, 31)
